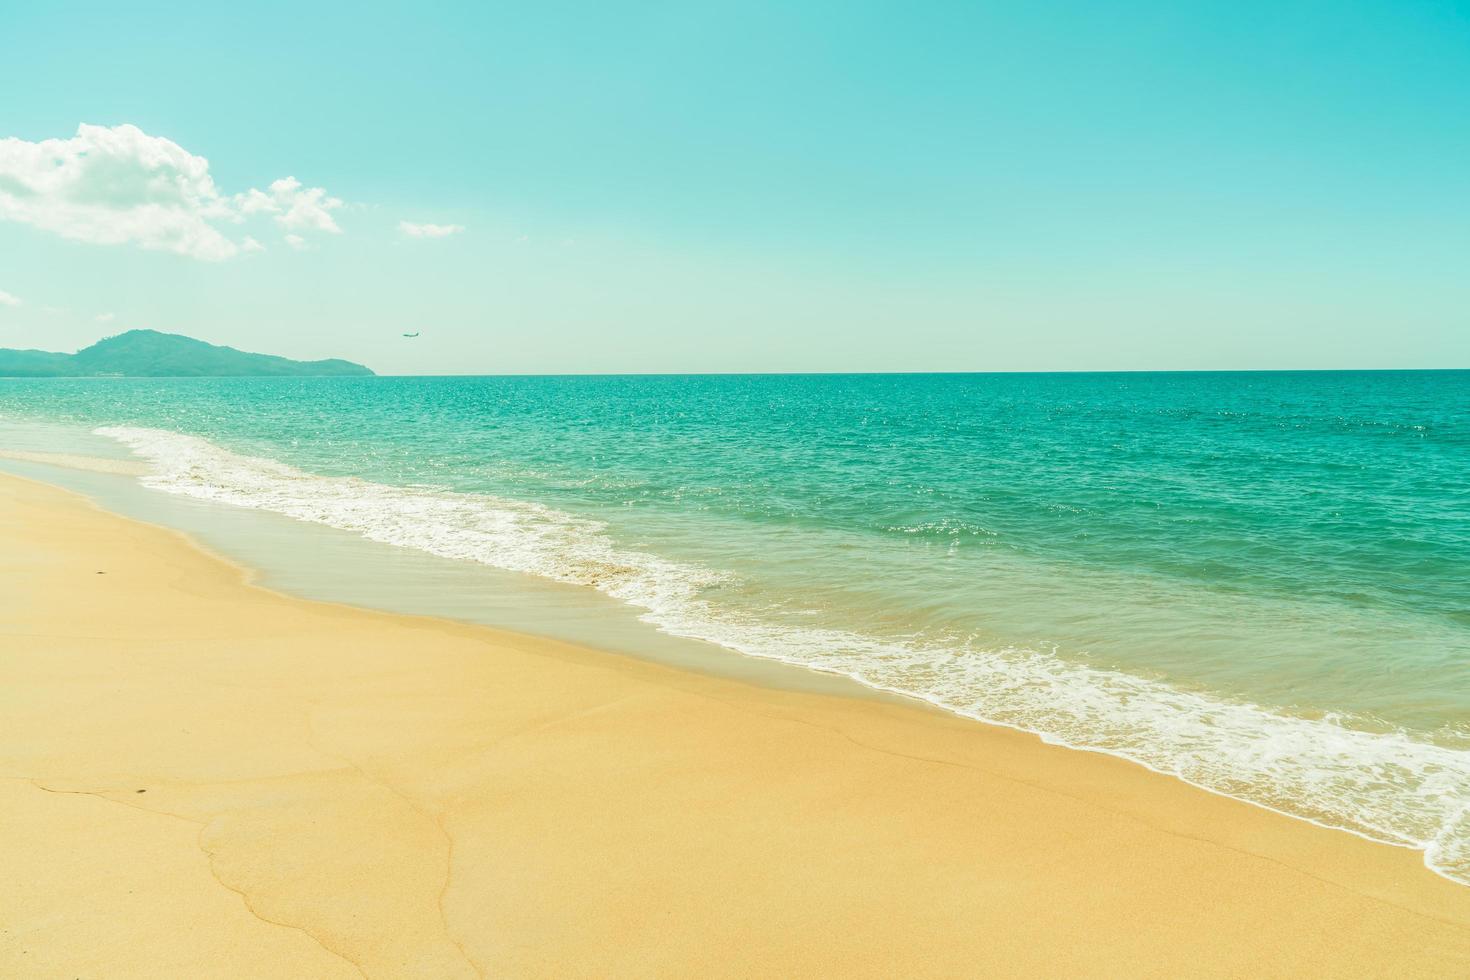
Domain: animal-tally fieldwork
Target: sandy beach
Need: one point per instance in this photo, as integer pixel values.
(207, 779)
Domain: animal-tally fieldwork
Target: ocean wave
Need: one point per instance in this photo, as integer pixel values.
(1389, 786)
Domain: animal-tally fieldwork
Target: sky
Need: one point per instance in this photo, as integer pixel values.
(744, 186)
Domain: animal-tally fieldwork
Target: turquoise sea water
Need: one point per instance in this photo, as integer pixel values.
(1259, 583)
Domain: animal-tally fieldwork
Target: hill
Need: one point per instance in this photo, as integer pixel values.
(150, 354)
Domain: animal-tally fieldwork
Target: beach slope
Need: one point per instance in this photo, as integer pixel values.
(207, 779)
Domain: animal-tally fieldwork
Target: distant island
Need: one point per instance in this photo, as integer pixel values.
(150, 354)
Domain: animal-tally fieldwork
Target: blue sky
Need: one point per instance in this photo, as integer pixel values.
(746, 186)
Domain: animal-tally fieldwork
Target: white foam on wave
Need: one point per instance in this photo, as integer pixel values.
(1388, 786)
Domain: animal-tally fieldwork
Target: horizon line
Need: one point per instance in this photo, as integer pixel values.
(737, 374)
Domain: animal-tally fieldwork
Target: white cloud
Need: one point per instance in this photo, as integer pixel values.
(8, 299)
(294, 206)
(413, 230)
(251, 245)
(254, 200)
(105, 317)
(296, 242)
(118, 185)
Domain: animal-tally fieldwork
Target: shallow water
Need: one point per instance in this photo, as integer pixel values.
(1257, 582)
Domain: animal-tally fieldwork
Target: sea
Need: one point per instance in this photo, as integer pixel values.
(1258, 583)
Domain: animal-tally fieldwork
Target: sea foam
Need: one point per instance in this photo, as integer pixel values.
(1390, 786)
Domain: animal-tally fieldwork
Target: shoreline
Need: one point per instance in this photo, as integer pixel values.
(303, 560)
(312, 789)
(307, 558)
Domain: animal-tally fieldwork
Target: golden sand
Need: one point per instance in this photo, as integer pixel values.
(207, 779)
